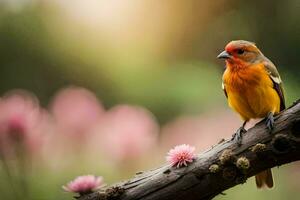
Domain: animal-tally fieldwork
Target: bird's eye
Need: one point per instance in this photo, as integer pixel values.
(240, 51)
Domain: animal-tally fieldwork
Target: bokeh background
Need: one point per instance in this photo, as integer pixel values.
(107, 87)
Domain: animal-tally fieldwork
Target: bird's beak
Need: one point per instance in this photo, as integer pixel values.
(224, 55)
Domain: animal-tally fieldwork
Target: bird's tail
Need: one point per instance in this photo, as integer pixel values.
(264, 179)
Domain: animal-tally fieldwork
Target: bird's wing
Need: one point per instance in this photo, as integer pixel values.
(277, 83)
(224, 89)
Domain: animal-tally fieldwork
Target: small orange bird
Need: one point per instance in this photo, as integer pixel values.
(253, 89)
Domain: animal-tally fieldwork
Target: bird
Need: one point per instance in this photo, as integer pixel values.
(253, 88)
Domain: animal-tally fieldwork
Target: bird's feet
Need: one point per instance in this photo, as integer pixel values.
(270, 122)
(238, 135)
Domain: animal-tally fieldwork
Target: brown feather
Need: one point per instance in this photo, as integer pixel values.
(264, 179)
(275, 77)
(279, 90)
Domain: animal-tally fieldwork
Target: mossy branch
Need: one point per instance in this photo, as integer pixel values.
(217, 169)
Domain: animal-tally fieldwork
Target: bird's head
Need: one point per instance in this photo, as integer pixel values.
(241, 52)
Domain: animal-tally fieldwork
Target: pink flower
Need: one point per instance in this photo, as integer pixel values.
(76, 110)
(128, 132)
(84, 184)
(19, 112)
(181, 155)
(20, 119)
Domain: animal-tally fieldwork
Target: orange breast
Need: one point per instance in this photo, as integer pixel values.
(250, 91)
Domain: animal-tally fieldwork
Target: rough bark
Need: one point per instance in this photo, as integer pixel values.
(223, 166)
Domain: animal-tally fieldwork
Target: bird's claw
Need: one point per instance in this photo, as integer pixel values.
(238, 135)
(270, 122)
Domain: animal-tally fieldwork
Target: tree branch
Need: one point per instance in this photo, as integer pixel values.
(217, 169)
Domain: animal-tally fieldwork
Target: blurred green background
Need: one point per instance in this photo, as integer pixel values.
(160, 55)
